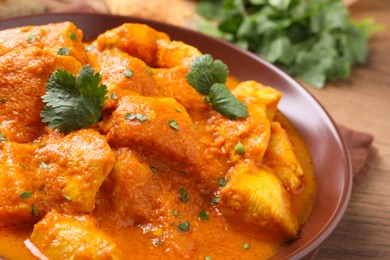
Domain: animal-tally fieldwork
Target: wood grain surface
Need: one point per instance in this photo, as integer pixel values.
(363, 103)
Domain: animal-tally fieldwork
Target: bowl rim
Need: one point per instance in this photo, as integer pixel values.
(314, 243)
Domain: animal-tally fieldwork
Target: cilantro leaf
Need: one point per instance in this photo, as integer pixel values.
(226, 103)
(73, 102)
(312, 40)
(205, 71)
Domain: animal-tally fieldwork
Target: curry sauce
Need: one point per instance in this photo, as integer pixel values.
(162, 175)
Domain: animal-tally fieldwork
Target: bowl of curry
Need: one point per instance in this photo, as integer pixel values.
(123, 138)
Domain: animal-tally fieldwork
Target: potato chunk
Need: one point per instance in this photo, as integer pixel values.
(281, 158)
(61, 237)
(63, 173)
(166, 130)
(256, 196)
(23, 76)
(50, 37)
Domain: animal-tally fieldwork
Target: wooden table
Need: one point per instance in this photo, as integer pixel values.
(363, 103)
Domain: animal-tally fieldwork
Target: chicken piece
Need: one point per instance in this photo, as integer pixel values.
(61, 237)
(175, 54)
(62, 173)
(223, 135)
(138, 40)
(159, 127)
(253, 92)
(281, 158)
(173, 83)
(50, 37)
(254, 195)
(136, 193)
(123, 72)
(23, 76)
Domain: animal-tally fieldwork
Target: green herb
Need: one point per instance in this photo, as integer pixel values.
(73, 102)
(2, 138)
(113, 96)
(63, 51)
(173, 124)
(31, 38)
(174, 212)
(239, 148)
(203, 215)
(2, 100)
(157, 242)
(128, 73)
(313, 40)
(184, 195)
(67, 197)
(154, 170)
(24, 166)
(90, 48)
(208, 76)
(185, 226)
(205, 71)
(34, 210)
(25, 195)
(215, 200)
(223, 101)
(139, 117)
(207, 258)
(222, 182)
(149, 71)
(72, 36)
(178, 110)
(44, 165)
(246, 246)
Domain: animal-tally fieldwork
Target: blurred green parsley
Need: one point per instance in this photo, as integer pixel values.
(314, 40)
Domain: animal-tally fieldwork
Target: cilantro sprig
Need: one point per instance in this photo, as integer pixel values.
(73, 102)
(208, 77)
(313, 40)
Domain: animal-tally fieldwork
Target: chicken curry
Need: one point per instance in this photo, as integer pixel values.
(161, 174)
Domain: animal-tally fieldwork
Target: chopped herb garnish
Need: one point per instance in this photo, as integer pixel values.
(31, 38)
(128, 73)
(23, 166)
(184, 195)
(246, 246)
(139, 117)
(215, 200)
(208, 77)
(73, 102)
(174, 212)
(25, 195)
(90, 48)
(157, 242)
(34, 210)
(44, 165)
(178, 110)
(154, 170)
(203, 215)
(2, 138)
(173, 124)
(222, 181)
(2, 100)
(207, 258)
(149, 71)
(72, 36)
(239, 148)
(184, 226)
(113, 96)
(63, 51)
(225, 103)
(67, 197)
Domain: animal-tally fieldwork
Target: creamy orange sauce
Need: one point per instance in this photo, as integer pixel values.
(129, 189)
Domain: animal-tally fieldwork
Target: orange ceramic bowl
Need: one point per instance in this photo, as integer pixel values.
(330, 157)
